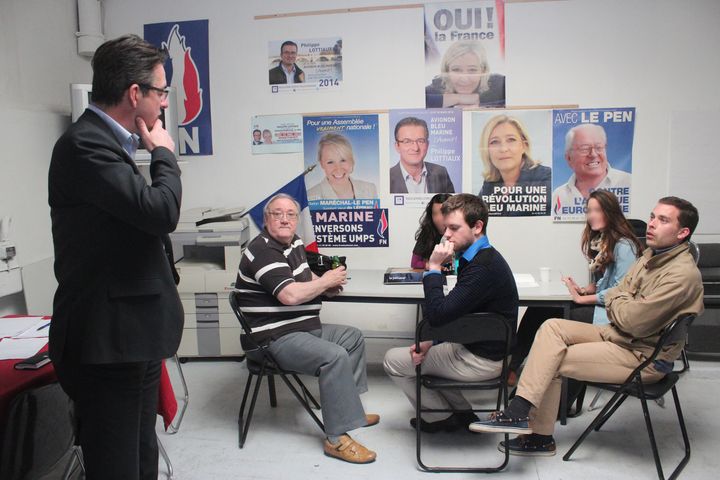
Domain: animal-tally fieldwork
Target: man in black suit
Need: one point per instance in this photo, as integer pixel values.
(412, 174)
(286, 71)
(117, 312)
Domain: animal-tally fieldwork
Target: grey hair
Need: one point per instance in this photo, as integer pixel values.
(278, 196)
(570, 135)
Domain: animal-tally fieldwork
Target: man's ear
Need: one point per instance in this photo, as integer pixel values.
(478, 227)
(133, 94)
(683, 233)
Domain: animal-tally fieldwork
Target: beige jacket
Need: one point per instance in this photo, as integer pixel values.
(653, 293)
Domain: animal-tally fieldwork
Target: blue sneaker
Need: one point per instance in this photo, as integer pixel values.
(497, 422)
(529, 446)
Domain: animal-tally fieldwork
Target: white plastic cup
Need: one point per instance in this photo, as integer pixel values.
(544, 274)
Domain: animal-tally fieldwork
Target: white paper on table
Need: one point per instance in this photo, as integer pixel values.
(40, 329)
(20, 348)
(9, 327)
(525, 280)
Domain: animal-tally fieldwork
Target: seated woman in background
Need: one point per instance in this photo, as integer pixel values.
(335, 156)
(507, 158)
(465, 79)
(610, 245)
(430, 232)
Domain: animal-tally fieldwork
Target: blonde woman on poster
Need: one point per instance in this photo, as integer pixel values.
(506, 155)
(465, 79)
(335, 157)
(509, 169)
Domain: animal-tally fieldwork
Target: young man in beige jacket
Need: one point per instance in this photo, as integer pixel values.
(663, 284)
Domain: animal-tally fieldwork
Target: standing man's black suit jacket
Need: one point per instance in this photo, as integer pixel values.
(116, 300)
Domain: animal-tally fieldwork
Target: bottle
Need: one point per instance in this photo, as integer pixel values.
(335, 262)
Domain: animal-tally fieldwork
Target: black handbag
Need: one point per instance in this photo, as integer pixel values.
(320, 264)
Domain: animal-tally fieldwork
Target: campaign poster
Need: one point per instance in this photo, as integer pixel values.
(465, 54)
(512, 159)
(188, 71)
(425, 154)
(344, 149)
(592, 150)
(305, 65)
(276, 134)
(351, 228)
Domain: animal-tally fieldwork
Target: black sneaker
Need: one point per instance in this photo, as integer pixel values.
(456, 421)
(529, 446)
(465, 418)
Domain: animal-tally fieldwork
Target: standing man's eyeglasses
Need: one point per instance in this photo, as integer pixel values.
(164, 92)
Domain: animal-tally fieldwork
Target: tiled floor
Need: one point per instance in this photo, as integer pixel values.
(284, 443)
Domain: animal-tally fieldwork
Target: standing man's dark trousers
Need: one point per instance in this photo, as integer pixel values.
(116, 408)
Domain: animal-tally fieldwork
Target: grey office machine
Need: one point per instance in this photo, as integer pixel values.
(207, 246)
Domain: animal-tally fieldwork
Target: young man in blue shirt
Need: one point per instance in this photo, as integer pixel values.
(485, 284)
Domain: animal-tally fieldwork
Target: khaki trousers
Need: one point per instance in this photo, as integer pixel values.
(565, 348)
(446, 360)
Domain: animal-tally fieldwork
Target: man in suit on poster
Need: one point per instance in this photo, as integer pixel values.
(412, 174)
(257, 137)
(286, 70)
(117, 312)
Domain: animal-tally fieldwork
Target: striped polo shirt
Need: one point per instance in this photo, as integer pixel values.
(266, 267)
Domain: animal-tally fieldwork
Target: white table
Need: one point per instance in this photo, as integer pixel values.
(366, 286)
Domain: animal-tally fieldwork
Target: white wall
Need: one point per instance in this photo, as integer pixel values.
(39, 61)
(656, 55)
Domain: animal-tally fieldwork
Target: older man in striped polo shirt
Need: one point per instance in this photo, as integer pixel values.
(280, 299)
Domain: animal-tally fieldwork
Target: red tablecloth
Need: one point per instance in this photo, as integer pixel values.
(13, 382)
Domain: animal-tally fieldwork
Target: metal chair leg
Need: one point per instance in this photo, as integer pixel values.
(306, 393)
(305, 405)
(651, 435)
(75, 458)
(175, 425)
(246, 427)
(502, 396)
(595, 424)
(614, 404)
(165, 457)
(686, 439)
(271, 391)
(593, 405)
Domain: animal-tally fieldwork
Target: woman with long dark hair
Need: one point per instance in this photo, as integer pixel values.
(610, 246)
(430, 232)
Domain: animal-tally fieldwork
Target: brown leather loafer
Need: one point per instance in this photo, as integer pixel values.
(372, 419)
(349, 450)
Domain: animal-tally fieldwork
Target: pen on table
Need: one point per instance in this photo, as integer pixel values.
(43, 327)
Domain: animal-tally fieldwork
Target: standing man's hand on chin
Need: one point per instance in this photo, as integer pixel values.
(157, 136)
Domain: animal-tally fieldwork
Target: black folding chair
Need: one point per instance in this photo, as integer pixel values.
(467, 329)
(267, 367)
(634, 386)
